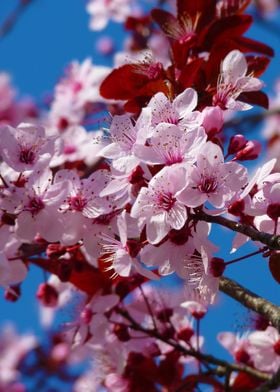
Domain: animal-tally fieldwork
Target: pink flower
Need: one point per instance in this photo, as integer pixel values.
(169, 144)
(26, 147)
(233, 81)
(265, 349)
(158, 204)
(101, 11)
(122, 255)
(238, 346)
(179, 112)
(211, 179)
(39, 208)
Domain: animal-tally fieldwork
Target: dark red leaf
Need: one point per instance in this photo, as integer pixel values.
(257, 64)
(274, 266)
(189, 73)
(245, 44)
(205, 10)
(164, 19)
(255, 98)
(123, 83)
(244, 383)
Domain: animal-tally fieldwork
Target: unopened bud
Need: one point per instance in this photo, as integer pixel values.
(121, 331)
(213, 120)
(237, 142)
(249, 152)
(185, 334)
(47, 295)
(273, 211)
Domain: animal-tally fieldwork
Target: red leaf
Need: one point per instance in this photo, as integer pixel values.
(274, 266)
(255, 98)
(189, 73)
(257, 65)
(226, 28)
(204, 9)
(245, 44)
(164, 19)
(123, 83)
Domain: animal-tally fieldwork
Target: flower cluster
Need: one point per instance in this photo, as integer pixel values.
(109, 212)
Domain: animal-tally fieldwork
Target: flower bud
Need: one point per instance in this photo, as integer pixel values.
(273, 211)
(47, 295)
(213, 120)
(185, 334)
(237, 142)
(251, 151)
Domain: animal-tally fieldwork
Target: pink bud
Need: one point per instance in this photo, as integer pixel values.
(105, 45)
(47, 295)
(237, 142)
(249, 152)
(213, 120)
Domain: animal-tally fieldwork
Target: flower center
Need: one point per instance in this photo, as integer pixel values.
(77, 203)
(35, 205)
(208, 184)
(27, 156)
(165, 201)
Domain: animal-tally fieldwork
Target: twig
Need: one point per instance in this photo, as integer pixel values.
(251, 300)
(198, 355)
(272, 241)
(12, 19)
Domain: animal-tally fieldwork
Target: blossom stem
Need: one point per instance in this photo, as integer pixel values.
(246, 256)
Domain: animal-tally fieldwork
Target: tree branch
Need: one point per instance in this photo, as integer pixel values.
(193, 353)
(11, 20)
(272, 241)
(271, 384)
(251, 300)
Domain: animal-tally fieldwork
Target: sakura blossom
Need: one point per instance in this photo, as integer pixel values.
(158, 205)
(233, 80)
(211, 179)
(26, 147)
(101, 11)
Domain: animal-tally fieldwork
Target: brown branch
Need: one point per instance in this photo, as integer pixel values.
(198, 355)
(272, 241)
(271, 384)
(251, 300)
(10, 22)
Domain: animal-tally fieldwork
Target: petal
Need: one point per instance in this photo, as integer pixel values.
(185, 102)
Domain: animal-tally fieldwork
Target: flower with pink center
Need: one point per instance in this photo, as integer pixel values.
(233, 81)
(210, 179)
(265, 349)
(26, 147)
(179, 112)
(158, 204)
(39, 208)
(83, 195)
(169, 145)
(101, 11)
(122, 254)
(73, 94)
(124, 136)
(238, 346)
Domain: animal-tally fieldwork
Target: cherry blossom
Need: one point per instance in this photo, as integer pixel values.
(26, 147)
(102, 10)
(158, 204)
(233, 80)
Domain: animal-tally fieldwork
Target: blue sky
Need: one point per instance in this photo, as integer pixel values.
(47, 37)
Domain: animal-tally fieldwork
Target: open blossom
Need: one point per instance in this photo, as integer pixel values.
(102, 11)
(158, 205)
(211, 179)
(122, 255)
(178, 112)
(238, 346)
(169, 145)
(75, 93)
(26, 147)
(233, 81)
(265, 349)
(39, 208)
